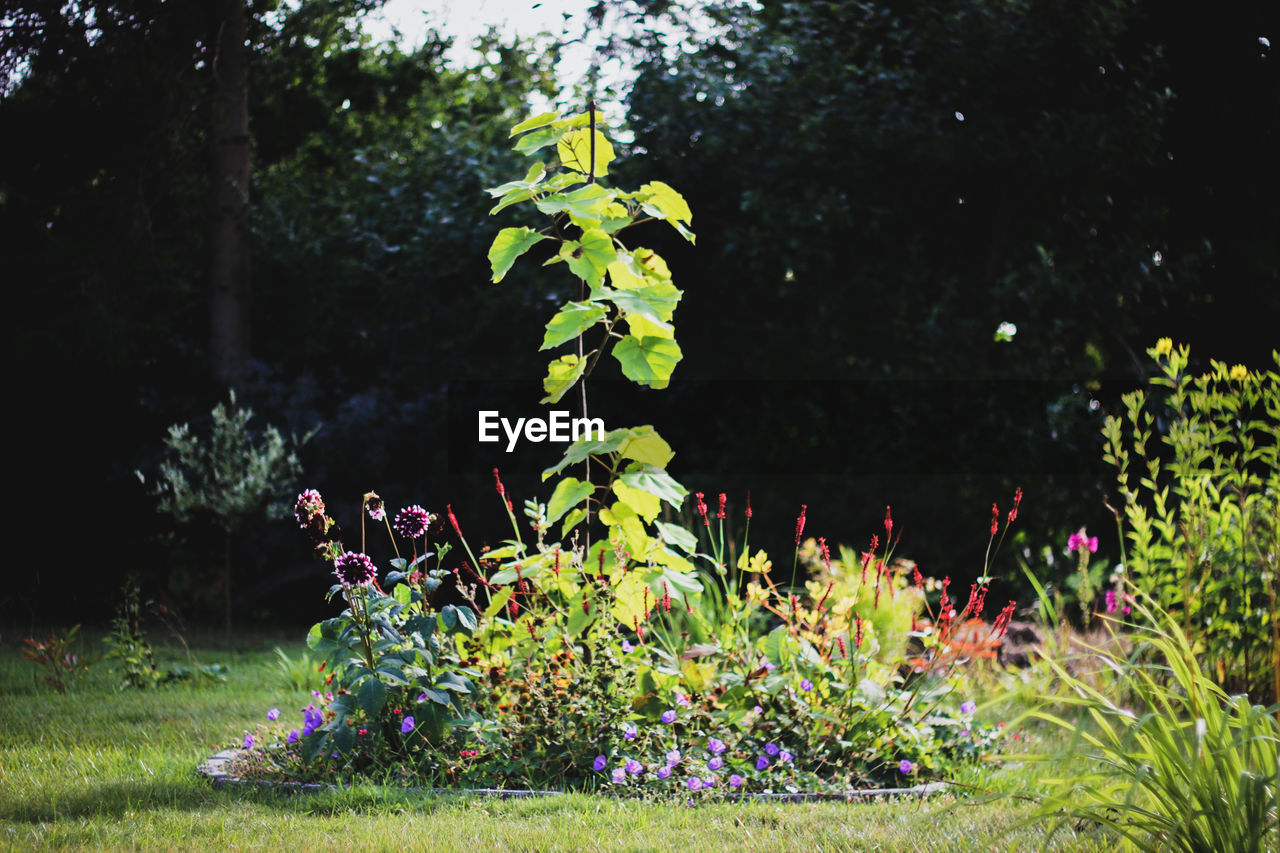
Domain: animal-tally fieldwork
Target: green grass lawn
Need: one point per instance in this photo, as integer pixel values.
(97, 768)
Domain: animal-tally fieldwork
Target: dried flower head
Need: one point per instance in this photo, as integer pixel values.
(373, 506)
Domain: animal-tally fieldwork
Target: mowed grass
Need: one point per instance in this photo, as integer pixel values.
(102, 768)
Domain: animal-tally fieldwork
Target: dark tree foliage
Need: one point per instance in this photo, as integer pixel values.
(879, 185)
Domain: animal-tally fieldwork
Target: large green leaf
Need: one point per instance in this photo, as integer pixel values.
(584, 203)
(643, 444)
(660, 200)
(647, 361)
(645, 503)
(590, 255)
(655, 481)
(561, 375)
(572, 320)
(510, 244)
(537, 140)
(655, 303)
(372, 695)
(575, 152)
(678, 536)
(540, 120)
(569, 492)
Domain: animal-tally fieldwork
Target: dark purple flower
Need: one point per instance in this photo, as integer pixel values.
(411, 522)
(771, 748)
(308, 505)
(311, 720)
(762, 763)
(294, 737)
(600, 763)
(905, 766)
(354, 569)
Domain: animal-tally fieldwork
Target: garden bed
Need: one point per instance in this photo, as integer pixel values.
(217, 768)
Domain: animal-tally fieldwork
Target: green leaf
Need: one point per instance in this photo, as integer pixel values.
(561, 376)
(510, 244)
(574, 149)
(665, 203)
(453, 682)
(590, 255)
(572, 520)
(643, 444)
(656, 303)
(655, 481)
(572, 320)
(536, 122)
(646, 504)
(537, 140)
(647, 361)
(676, 535)
(585, 203)
(569, 492)
(437, 696)
(372, 696)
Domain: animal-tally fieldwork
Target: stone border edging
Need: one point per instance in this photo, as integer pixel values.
(215, 769)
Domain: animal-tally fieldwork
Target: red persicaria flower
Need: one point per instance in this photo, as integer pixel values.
(586, 605)
(917, 578)
(995, 519)
(354, 569)
(702, 508)
(556, 568)
(857, 626)
(888, 523)
(453, 520)
(411, 522)
(748, 504)
(844, 652)
(502, 491)
(308, 505)
(826, 552)
(1017, 499)
(720, 512)
(1002, 621)
(830, 584)
(666, 597)
(800, 522)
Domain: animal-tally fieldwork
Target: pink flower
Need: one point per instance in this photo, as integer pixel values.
(1080, 540)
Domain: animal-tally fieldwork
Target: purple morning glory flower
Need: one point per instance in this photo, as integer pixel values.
(715, 763)
(600, 763)
(735, 781)
(669, 716)
(629, 733)
(785, 756)
(716, 746)
(293, 736)
(248, 741)
(709, 782)
(619, 775)
(967, 707)
(757, 709)
(406, 726)
(964, 733)
(664, 773)
(633, 767)
(762, 763)
(695, 784)
(806, 684)
(626, 645)
(771, 748)
(682, 700)
(905, 766)
(273, 714)
(673, 757)
(312, 719)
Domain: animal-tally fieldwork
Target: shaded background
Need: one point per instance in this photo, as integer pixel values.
(876, 187)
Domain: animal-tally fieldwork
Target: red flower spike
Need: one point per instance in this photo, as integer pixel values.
(830, 584)
(723, 498)
(666, 597)
(453, 520)
(586, 605)
(917, 578)
(748, 505)
(995, 519)
(826, 552)
(844, 652)
(1002, 621)
(556, 568)
(1017, 499)
(702, 508)
(888, 524)
(800, 522)
(857, 637)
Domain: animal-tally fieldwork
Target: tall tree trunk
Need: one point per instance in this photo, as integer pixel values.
(229, 149)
